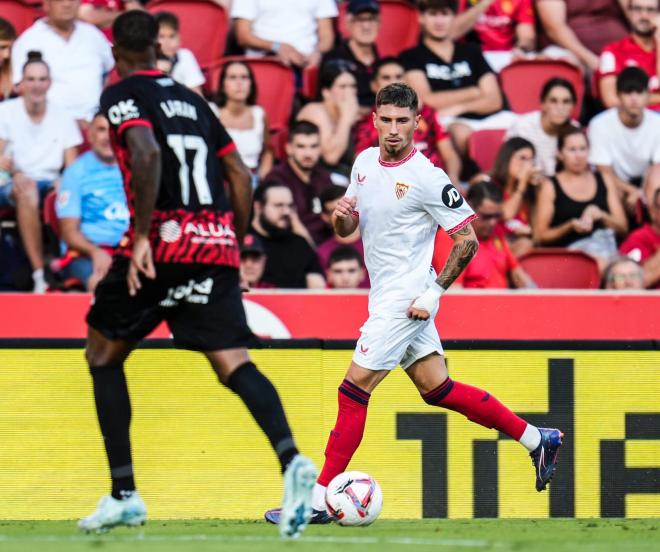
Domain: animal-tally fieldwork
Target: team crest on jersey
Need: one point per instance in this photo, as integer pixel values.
(401, 190)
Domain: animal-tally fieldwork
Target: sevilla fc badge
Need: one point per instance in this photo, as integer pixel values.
(401, 190)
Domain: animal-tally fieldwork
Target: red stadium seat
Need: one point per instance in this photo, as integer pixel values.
(275, 86)
(50, 213)
(19, 13)
(278, 139)
(522, 82)
(203, 26)
(484, 145)
(310, 82)
(561, 268)
(399, 26)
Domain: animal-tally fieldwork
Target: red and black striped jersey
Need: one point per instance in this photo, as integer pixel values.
(192, 221)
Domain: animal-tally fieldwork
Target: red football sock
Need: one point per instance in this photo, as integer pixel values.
(478, 406)
(346, 436)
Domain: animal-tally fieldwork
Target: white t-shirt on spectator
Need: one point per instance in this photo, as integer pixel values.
(528, 126)
(37, 150)
(629, 151)
(250, 141)
(292, 21)
(77, 66)
(186, 69)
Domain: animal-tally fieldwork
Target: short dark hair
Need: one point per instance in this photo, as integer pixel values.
(331, 193)
(500, 170)
(382, 62)
(332, 70)
(398, 94)
(425, 5)
(302, 127)
(261, 193)
(135, 31)
(221, 97)
(167, 19)
(558, 82)
(344, 253)
(481, 191)
(7, 30)
(632, 79)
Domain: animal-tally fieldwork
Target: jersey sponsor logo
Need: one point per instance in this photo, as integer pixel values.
(210, 233)
(401, 190)
(361, 179)
(165, 82)
(193, 292)
(170, 231)
(177, 108)
(451, 197)
(457, 71)
(116, 211)
(63, 198)
(123, 111)
(364, 350)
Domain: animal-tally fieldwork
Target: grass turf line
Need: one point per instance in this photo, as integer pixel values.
(558, 535)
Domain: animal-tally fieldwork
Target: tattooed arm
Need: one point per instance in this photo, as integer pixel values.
(465, 247)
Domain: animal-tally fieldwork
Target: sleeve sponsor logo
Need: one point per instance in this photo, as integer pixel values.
(451, 197)
(123, 111)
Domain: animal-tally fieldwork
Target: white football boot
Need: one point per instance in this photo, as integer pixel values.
(111, 512)
(299, 479)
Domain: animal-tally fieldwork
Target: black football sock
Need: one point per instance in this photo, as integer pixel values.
(263, 402)
(113, 407)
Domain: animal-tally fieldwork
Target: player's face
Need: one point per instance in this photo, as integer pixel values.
(490, 213)
(520, 161)
(395, 126)
(575, 153)
(625, 275)
(387, 74)
(345, 274)
(36, 82)
(363, 27)
(61, 11)
(436, 24)
(558, 106)
(252, 267)
(642, 16)
(5, 51)
(237, 83)
(279, 207)
(169, 40)
(633, 103)
(304, 150)
(99, 138)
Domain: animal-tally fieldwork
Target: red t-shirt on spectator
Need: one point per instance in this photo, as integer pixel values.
(642, 244)
(626, 53)
(491, 265)
(496, 27)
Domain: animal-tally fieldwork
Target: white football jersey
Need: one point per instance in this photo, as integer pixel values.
(400, 206)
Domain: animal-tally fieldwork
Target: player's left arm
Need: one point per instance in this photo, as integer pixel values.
(240, 187)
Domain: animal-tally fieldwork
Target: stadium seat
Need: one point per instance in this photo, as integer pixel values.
(484, 145)
(278, 139)
(523, 80)
(399, 26)
(275, 86)
(310, 82)
(561, 268)
(50, 213)
(203, 25)
(20, 13)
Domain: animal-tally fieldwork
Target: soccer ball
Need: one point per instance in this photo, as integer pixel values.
(354, 498)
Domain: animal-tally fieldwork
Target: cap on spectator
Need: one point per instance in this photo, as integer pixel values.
(252, 244)
(359, 6)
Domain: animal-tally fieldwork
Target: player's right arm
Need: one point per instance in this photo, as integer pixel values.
(344, 217)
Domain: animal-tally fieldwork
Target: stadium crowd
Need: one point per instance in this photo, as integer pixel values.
(577, 168)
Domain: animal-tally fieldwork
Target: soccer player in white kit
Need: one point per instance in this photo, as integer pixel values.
(399, 198)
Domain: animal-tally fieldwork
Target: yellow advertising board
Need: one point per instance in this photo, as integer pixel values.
(194, 440)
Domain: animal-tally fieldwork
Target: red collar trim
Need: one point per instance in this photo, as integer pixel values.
(149, 73)
(397, 163)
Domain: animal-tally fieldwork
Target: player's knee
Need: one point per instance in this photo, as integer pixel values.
(98, 358)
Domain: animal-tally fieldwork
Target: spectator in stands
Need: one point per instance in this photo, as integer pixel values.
(78, 54)
(494, 266)
(580, 29)
(245, 121)
(253, 263)
(306, 180)
(363, 24)
(518, 177)
(625, 140)
(185, 68)
(91, 208)
(290, 260)
(7, 38)
(298, 33)
(504, 28)
(36, 140)
(430, 137)
(453, 78)
(345, 269)
(102, 13)
(335, 116)
(623, 273)
(643, 244)
(541, 128)
(638, 49)
(579, 208)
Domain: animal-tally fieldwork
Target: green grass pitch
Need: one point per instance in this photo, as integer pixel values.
(556, 535)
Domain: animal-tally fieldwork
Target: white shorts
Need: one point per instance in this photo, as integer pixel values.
(385, 342)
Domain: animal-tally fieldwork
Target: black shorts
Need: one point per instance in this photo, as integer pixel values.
(201, 304)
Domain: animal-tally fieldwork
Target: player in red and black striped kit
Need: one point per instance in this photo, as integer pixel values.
(178, 263)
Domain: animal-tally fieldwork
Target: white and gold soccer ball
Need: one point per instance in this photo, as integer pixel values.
(354, 498)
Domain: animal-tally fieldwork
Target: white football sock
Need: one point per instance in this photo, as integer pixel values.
(318, 497)
(531, 438)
